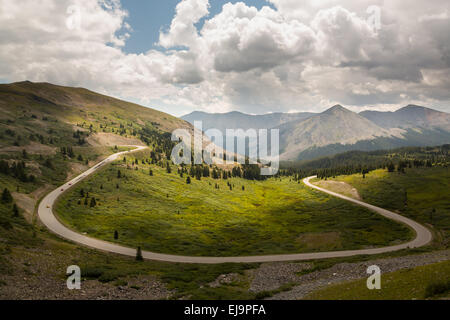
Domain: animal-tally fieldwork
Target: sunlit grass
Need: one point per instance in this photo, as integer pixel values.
(162, 213)
(419, 283)
(420, 193)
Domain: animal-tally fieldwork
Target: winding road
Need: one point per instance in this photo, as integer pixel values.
(46, 215)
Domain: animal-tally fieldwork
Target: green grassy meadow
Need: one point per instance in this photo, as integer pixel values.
(162, 213)
(414, 193)
(426, 282)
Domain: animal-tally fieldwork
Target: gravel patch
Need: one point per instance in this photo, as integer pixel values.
(352, 271)
(271, 276)
(224, 279)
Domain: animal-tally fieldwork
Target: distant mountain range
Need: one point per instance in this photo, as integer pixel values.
(239, 120)
(306, 136)
(409, 117)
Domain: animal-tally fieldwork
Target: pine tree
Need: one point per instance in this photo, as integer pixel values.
(206, 171)
(6, 196)
(93, 202)
(119, 174)
(48, 163)
(188, 180)
(15, 210)
(116, 235)
(391, 167)
(139, 254)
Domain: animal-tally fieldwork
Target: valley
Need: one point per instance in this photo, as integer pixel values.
(218, 217)
(50, 134)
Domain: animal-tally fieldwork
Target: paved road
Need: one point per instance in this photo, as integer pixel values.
(47, 217)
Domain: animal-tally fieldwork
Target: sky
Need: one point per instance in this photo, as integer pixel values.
(257, 56)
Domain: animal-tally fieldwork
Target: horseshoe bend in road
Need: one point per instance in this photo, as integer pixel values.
(45, 212)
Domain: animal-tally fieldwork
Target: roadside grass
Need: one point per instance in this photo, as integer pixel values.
(425, 282)
(270, 293)
(161, 213)
(414, 193)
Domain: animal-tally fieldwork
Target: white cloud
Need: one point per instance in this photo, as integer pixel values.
(182, 29)
(297, 56)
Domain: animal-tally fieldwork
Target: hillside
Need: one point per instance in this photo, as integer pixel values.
(41, 117)
(77, 105)
(49, 132)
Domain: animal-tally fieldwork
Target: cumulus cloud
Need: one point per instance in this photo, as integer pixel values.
(293, 56)
(242, 38)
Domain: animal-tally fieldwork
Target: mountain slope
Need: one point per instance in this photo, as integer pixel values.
(335, 125)
(410, 117)
(73, 105)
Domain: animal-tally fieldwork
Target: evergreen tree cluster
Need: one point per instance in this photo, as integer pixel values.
(363, 162)
(16, 170)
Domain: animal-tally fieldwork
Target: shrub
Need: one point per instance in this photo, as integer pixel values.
(6, 196)
(437, 288)
(139, 254)
(108, 276)
(15, 210)
(92, 272)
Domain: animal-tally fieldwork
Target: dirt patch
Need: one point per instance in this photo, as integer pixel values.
(339, 187)
(35, 167)
(76, 169)
(111, 140)
(321, 241)
(31, 148)
(38, 193)
(26, 203)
